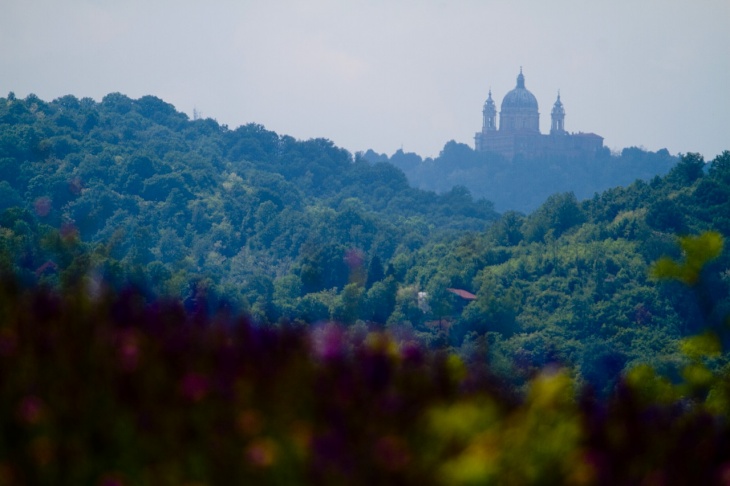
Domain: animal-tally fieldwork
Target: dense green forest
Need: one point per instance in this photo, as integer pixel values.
(524, 184)
(133, 192)
(128, 213)
(192, 203)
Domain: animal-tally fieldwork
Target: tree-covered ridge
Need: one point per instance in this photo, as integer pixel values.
(523, 184)
(132, 192)
(182, 200)
(570, 283)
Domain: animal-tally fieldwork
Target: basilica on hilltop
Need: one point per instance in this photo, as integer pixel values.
(519, 134)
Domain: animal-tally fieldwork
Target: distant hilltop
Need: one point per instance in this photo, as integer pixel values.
(519, 129)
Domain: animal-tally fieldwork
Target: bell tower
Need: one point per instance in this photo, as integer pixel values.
(489, 114)
(557, 116)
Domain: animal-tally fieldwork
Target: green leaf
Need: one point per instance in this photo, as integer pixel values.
(702, 345)
(698, 251)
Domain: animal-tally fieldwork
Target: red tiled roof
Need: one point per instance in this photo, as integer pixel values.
(463, 294)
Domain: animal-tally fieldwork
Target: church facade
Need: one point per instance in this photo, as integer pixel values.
(519, 134)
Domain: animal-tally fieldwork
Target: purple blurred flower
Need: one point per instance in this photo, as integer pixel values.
(328, 342)
(75, 185)
(262, 452)
(412, 353)
(354, 258)
(31, 409)
(69, 231)
(111, 480)
(128, 352)
(42, 206)
(194, 386)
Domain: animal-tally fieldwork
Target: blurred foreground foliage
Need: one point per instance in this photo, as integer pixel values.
(99, 386)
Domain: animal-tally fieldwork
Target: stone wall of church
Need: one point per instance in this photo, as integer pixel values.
(534, 145)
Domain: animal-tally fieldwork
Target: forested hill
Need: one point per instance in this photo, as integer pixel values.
(523, 184)
(572, 281)
(183, 199)
(121, 191)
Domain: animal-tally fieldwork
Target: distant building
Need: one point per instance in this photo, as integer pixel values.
(519, 129)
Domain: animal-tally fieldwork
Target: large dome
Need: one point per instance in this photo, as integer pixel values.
(519, 97)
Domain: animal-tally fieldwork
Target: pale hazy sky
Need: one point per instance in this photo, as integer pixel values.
(386, 74)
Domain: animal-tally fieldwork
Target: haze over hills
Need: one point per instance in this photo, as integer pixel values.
(524, 184)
